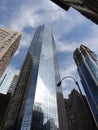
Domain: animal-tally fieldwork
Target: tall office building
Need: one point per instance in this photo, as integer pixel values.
(6, 79)
(13, 84)
(87, 66)
(88, 8)
(9, 41)
(6, 94)
(63, 123)
(34, 103)
(4, 101)
(79, 117)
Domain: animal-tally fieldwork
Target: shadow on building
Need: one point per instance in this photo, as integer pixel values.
(4, 101)
(88, 8)
(79, 117)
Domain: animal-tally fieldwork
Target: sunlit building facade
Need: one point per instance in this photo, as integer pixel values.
(43, 52)
(34, 103)
(9, 42)
(87, 66)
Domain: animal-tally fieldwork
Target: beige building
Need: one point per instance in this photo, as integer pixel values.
(9, 41)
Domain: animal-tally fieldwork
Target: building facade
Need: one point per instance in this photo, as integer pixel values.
(34, 103)
(4, 101)
(88, 8)
(79, 117)
(87, 66)
(6, 95)
(6, 79)
(13, 84)
(63, 123)
(9, 41)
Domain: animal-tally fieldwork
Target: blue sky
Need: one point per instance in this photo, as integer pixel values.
(70, 29)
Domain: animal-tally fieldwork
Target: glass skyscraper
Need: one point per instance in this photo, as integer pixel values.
(34, 103)
(45, 104)
(87, 65)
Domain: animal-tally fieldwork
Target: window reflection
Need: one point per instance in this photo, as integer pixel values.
(45, 94)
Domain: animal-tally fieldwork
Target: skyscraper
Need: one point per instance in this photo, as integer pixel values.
(7, 89)
(6, 79)
(9, 41)
(4, 101)
(34, 103)
(88, 8)
(13, 84)
(87, 66)
(79, 117)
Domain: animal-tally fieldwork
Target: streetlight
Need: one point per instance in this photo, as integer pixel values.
(76, 82)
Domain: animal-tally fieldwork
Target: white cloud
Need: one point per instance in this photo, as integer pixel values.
(70, 70)
(65, 46)
(68, 84)
(60, 21)
(26, 40)
(92, 41)
(25, 16)
(17, 52)
(34, 15)
(29, 15)
(67, 21)
(66, 93)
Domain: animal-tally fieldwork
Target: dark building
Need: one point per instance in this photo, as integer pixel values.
(38, 117)
(4, 101)
(79, 117)
(62, 112)
(88, 8)
(87, 66)
(34, 103)
(5, 98)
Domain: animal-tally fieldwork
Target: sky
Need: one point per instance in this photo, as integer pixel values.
(70, 30)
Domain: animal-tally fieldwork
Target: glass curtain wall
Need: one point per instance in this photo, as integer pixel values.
(43, 115)
(88, 70)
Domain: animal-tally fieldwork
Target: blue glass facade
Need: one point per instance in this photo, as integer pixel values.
(88, 71)
(43, 85)
(34, 104)
(34, 52)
